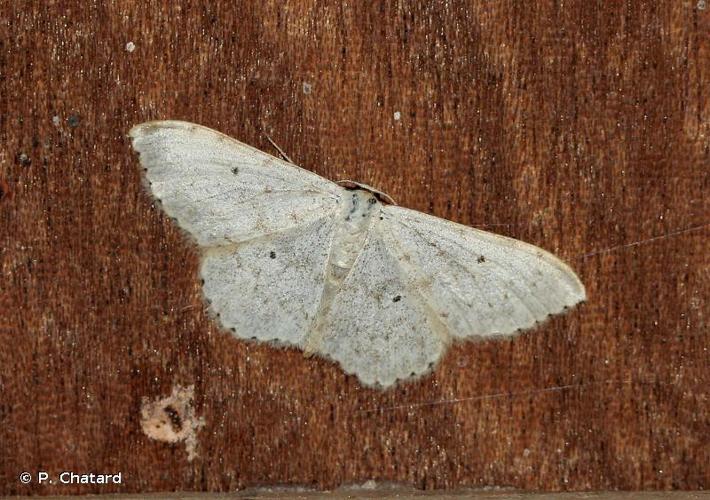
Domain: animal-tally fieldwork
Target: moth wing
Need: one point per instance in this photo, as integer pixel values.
(479, 283)
(222, 191)
(377, 327)
(269, 288)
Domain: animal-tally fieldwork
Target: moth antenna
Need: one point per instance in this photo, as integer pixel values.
(281, 152)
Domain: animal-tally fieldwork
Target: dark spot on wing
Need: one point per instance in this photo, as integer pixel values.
(235, 170)
(356, 202)
(272, 254)
(481, 259)
(397, 298)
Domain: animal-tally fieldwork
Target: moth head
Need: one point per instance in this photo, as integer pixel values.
(381, 197)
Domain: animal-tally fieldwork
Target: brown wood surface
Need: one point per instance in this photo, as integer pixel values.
(582, 127)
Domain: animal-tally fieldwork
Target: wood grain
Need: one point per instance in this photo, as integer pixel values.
(580, 127)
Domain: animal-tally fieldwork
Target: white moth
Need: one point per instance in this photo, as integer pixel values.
(291, 258)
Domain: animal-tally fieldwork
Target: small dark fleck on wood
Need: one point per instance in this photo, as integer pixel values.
(73, 120)
(175, 419)
(4, 189)
(23, 159)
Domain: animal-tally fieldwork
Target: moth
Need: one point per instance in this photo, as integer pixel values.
(337, 269)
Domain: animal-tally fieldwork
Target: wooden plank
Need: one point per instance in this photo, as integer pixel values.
(405, 494)
(580, 127)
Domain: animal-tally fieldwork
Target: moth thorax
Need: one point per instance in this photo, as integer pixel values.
(356, 214)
